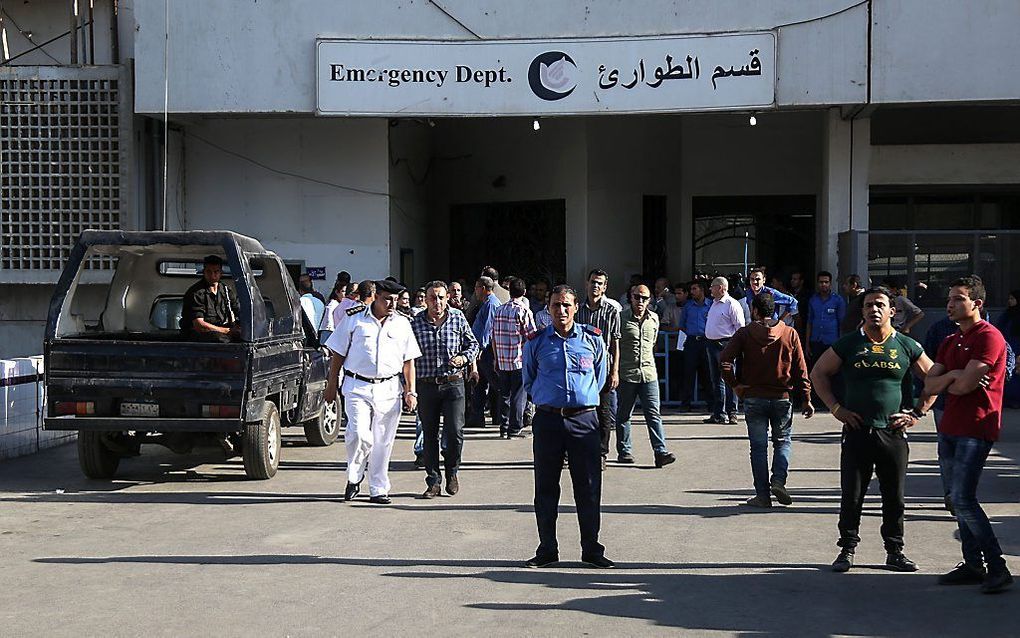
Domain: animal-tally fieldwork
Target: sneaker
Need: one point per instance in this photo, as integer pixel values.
(900, 563)
(759, 501)
(664, 459)
(716, 419)
(997, 580)
(732, 419)
(626, 459)
(779, 491)
(963, 574)
(844, 561)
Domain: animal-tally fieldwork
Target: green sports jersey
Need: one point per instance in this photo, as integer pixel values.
(873, 374)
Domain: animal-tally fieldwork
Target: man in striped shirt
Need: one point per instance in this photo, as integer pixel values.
(598, 311)
(512, 325)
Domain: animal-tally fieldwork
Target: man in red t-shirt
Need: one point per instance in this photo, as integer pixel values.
(970, 368)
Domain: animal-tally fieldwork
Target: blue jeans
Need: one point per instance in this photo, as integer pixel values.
(627, 394)
(961, 460)
(724, 402)
(762, 415)
(514, 400)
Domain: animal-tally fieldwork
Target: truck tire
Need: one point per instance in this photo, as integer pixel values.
(324, 429)
(260, 448)
(96, 460)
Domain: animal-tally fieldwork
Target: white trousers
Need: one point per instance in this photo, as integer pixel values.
(373, 413)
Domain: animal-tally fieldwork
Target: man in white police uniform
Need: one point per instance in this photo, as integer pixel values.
(373, 345)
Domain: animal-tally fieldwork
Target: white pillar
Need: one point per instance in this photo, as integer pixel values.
(844, 205)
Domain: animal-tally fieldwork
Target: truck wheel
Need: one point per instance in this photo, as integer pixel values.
(261, 446)
(96, 460)
(324, 429)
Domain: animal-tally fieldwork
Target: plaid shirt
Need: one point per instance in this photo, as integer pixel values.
(441, 343)
(512, 325)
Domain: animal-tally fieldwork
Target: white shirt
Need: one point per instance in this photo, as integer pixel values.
(328, 318)
(725, 317)
(313, 308)
(373, 348)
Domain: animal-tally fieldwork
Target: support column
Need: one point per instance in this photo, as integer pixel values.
(844, 205)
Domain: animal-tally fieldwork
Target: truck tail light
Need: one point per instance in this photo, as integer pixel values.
(221, 411)
(77, 408)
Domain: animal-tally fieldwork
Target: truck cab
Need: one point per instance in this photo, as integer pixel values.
(124, 370)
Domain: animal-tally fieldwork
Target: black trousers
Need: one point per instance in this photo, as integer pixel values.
(444, 400)
(577, 436)
(882, 452)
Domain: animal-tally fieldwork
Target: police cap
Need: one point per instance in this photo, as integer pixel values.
(392, 287)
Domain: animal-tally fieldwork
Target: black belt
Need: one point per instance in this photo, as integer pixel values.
(565, 412)
(439, 380)
(695, 337)
(723, 340)
(354, 375)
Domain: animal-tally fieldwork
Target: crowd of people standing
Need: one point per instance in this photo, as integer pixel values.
(573, 369)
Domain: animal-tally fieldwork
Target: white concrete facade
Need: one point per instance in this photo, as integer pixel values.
(247, 152)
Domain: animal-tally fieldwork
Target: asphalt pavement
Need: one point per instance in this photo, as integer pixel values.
(185, 546)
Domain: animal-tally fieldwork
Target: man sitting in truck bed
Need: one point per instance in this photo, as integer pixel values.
(211, 310)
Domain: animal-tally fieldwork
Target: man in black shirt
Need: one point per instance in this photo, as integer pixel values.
(211, 310)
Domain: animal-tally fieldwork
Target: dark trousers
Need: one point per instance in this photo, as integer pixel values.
(577, 436)
(444, 400)
(962, 459)
(723, 400)
(486, 390)
(606, 413)
(882, 452)
(695, 366)
(514, 401)
(815, 351)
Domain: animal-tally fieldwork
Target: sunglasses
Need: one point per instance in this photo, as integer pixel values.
(640, 297)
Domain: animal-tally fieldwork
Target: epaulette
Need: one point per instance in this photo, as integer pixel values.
(590, 329)
(355, 310)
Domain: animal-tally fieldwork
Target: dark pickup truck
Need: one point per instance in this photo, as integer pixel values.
(123, 371)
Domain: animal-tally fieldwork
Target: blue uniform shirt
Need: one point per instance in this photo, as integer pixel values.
(565, 373)
(825, 317)
(695, 317)
(781, 299)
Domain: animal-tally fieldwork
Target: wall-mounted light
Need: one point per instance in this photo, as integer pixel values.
(753, 121)
(535, 125)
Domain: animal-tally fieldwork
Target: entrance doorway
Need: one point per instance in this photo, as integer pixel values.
(732, 234)
(527, 239)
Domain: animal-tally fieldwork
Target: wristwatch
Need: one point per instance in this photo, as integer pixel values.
(411, 394)
(917, 414)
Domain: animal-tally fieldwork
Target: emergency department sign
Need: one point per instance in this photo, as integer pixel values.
(545, 77)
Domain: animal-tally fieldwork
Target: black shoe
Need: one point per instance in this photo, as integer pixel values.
(452, 484)
(624, 458)
(963, 574)
(419, 461)
(716, 419)
(519, 434)
(949, 505)
(600, 562)
(541, 561)
(732, 419)
(759, 501)
(844, 561)
(664, 459)
(432, 492)
(381, 499)
(352, 490)
(603, 464)
(997, 580)
(779, 491)
(503, 434)
(900, 563)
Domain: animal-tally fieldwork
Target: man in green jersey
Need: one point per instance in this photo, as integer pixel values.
(873, 361)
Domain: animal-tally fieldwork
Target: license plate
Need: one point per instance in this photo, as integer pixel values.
(139, 409)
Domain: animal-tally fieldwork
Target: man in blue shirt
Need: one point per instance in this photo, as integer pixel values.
(826, 312)
(565, 367)
(696, 364)
(756, 278)
(486, 300)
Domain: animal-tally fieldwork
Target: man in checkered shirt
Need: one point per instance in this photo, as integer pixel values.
(448, 347)
(512, 325)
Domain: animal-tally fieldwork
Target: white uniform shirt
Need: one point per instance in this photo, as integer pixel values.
(313, 308)
(372, 348)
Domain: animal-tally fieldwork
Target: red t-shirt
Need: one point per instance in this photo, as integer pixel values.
(977, 414)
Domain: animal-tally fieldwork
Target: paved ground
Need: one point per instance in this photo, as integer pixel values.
(181, 547)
